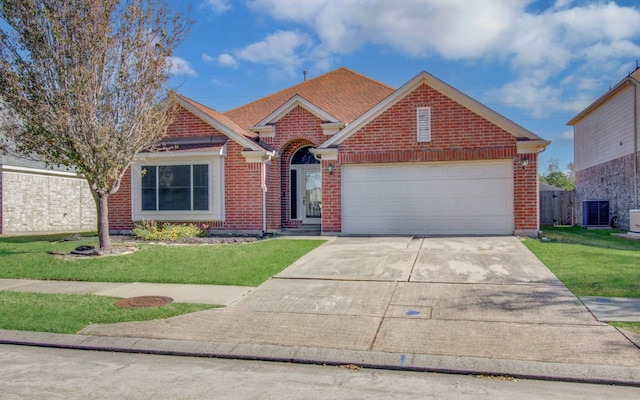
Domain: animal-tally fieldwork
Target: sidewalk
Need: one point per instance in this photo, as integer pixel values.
(204, 294)
(233, 346)
(604, 309)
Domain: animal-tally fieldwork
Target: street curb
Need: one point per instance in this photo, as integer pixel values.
(580, 373)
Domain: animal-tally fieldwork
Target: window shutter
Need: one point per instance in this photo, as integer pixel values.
(424, 124)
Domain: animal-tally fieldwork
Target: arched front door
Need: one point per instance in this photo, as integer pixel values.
(306, 187)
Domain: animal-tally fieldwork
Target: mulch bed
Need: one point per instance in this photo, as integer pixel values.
(185, 241)
(126, 244)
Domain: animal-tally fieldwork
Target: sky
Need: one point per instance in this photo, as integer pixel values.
(538, 63)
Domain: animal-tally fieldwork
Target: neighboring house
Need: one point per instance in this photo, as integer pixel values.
(606, 136)
(36, 199)
(345, 153)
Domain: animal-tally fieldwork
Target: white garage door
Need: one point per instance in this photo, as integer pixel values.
(429, 199)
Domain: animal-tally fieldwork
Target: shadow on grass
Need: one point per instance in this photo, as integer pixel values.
(603, 238)
(44, 238)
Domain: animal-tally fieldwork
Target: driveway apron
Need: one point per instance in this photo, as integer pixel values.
(486, 297)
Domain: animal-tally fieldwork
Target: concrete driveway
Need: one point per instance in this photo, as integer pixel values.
(473, 297)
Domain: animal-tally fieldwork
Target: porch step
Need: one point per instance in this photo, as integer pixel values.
(303, 230)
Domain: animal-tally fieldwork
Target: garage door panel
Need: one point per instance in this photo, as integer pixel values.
(475, 198)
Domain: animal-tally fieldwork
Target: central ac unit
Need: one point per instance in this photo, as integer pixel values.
(595, 213)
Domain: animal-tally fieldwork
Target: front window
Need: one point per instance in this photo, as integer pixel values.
(175, 187)
(178, 188)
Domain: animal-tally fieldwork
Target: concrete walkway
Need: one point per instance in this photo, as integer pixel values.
(468, 305)
(203, 294)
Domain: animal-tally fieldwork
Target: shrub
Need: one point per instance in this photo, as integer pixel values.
(151, 230)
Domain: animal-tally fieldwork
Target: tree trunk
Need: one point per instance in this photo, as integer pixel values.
(102, 204)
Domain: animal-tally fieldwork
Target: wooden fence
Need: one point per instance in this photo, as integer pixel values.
(557, 207)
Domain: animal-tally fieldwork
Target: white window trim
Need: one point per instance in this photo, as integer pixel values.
(424, 130)
(216, 188)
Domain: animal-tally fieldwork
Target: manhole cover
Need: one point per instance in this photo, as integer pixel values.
(144, 301)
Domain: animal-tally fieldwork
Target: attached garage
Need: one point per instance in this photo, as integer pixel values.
(428, 198)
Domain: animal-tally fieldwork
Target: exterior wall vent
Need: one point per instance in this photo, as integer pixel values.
(595, 213)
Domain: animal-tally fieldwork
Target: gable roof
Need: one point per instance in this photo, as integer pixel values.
(341, 93)
(295, 101)
(221, 122)
(522, 135)
(630, 79)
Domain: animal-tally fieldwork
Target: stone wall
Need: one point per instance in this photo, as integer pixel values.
(612, 181)
(36, 201)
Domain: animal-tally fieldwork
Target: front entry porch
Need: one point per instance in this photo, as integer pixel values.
(305, 181)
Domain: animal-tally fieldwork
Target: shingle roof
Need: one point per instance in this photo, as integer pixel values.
(342, 93)
(218, 116)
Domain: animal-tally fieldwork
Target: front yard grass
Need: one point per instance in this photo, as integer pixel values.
(70, 313)
(591, 262)
(240, 264)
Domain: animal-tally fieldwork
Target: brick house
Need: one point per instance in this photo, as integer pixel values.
(606, 153)
(345, 153)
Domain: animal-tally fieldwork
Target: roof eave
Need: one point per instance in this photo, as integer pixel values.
(602, 99)
(285, 108)
(241, 139)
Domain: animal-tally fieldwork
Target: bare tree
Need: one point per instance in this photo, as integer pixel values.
(85, 84)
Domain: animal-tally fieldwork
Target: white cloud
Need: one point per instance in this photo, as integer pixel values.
(545, 44)
(207, 58)
(452, 28)
(180, 66)
(562, 3)
(567, 136)
(284, 51)
(225, 60)
(220, 82)
(217, 6)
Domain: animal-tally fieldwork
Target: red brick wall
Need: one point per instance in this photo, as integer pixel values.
(186, 124)
(457, 134)
(120, 205)
(526, 193)
(243, 192)
(331, 198)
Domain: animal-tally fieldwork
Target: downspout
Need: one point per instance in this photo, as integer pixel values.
(635, 141)
(264, 197)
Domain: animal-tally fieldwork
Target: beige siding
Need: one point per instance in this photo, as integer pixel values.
(46, 202)
(606, 133)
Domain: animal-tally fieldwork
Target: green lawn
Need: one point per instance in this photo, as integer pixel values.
(247, 264)
(70, 313)
(591, 262)
(243, 264)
